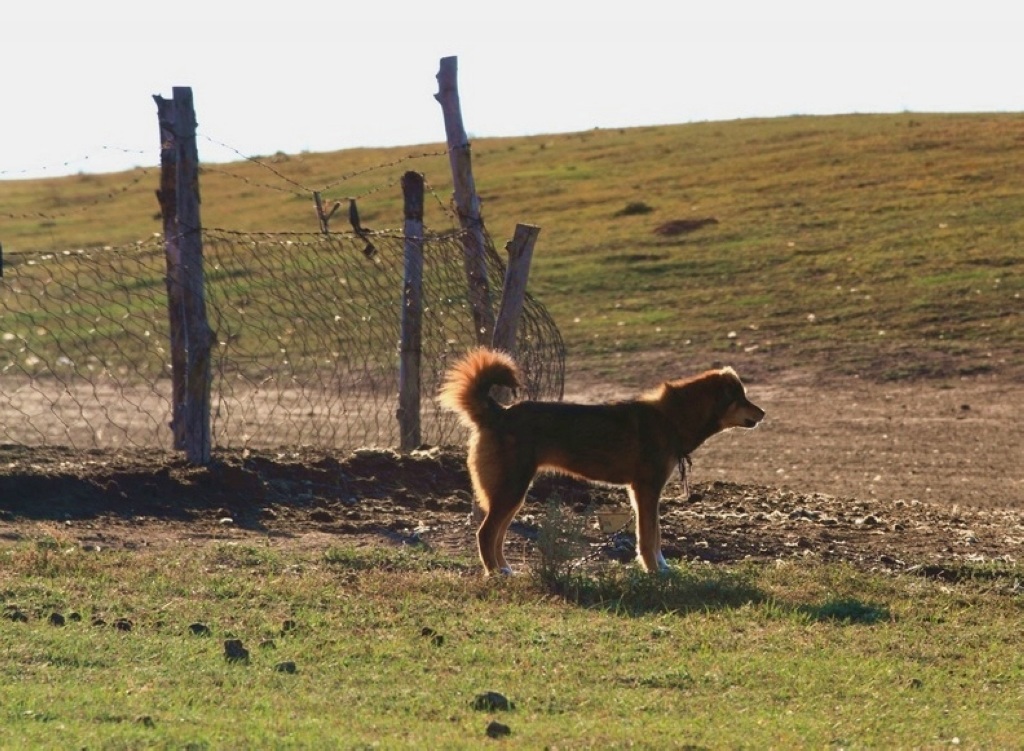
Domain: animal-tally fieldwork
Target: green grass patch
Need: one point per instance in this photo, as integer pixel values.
(391, 648)
(869, 223)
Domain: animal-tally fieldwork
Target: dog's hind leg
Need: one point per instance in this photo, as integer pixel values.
(499, 544)
(490, 537)
(505, 496)
(486, 537)
(645, 502)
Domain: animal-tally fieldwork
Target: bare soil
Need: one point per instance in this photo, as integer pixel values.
(923, 476)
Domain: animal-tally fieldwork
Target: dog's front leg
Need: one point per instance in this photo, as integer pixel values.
(648, 528)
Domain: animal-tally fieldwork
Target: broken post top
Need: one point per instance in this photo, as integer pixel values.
(448, 97)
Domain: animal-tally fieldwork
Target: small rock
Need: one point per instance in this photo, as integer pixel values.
(868, 521)
(268, 644)
(75, 617)
(56, 619)
(288, 626)
(146, 721)
(286, 667)
(225, 521)
(492, 701)
(496, 730)
(16, 615)
(199, 629)
(123, 624)
(322, 516)
(99, 622)
(234, 651)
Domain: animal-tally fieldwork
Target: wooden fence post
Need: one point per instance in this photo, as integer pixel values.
(513, 292)
(191, 336)
(467, 203)
(167, 195)
(412, 314)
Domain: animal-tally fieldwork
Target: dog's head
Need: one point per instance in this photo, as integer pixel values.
(734, 410)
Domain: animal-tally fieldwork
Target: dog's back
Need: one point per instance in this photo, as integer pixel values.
(602, 442)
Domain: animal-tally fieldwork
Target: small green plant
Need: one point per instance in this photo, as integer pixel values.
(561, 541)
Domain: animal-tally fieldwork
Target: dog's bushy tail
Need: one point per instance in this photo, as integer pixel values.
(467, 385)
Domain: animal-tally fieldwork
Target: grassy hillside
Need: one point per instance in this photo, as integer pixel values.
(888, 246)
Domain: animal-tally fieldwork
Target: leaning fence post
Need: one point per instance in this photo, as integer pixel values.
(467, 203)
(190, 333)
(412, 315)
(513, 292)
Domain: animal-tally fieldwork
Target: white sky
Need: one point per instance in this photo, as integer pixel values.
(77, 77)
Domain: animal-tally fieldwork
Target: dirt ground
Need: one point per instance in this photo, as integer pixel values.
(921, 476)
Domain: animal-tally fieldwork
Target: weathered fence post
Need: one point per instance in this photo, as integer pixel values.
(412, 314)
(190, 333)
(467, 203)
(513, 291)
(167, 195)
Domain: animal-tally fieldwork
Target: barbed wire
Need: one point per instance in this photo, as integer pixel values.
(108, 195)
(383, 165)
(323, 189)
(64, 165)
(292, 187)
(257, 161)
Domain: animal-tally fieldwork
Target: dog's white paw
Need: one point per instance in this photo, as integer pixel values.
(662, 563)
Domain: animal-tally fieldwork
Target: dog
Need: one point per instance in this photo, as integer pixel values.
(636, 443)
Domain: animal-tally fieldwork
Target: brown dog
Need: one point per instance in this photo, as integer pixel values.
(636, 443)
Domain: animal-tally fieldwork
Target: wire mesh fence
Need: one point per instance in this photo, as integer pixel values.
(306, 350)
